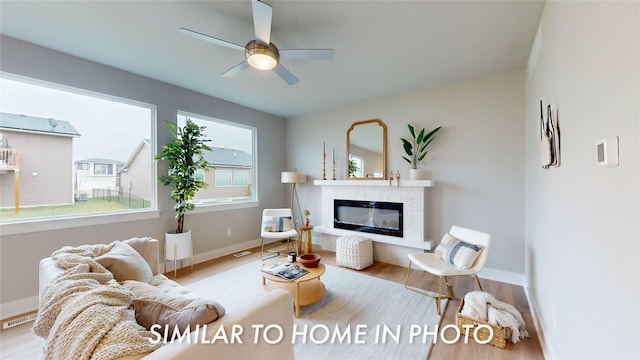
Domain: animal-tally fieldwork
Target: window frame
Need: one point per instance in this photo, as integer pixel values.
(45, 223)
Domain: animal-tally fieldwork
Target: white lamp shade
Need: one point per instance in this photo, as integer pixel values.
(292, 177)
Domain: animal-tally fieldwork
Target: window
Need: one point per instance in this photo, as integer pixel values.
(232, 178)
(59, 133)
(240, 178)
(102, 169)
(201, 175)
(223, 178)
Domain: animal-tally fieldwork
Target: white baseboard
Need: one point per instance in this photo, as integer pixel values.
(502, 276)
(519, 279)
(214, 254)
(18, 307)
(547, 351)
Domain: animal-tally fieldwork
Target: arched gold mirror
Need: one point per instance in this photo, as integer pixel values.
(367, 150)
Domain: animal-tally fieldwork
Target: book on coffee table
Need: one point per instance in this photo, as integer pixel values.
(285, 270)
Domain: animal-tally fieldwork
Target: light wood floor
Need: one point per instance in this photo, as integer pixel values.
(19, 343)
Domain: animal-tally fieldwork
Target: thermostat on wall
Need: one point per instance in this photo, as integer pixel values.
(607, 152)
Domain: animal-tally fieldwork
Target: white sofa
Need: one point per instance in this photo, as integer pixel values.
(274, 307)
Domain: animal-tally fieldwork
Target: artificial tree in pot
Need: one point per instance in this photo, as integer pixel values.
(185, 157)
(416, 147)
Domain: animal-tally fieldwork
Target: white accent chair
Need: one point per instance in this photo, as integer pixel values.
(431, 263)
(273, 230)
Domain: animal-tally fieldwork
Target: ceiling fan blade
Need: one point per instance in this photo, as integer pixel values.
(262, 21)
(286, 75)
(211, 39)
(307, 54)
(236, 69)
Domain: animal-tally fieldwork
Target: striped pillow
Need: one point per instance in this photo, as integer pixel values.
(277, 223)
(457, 252)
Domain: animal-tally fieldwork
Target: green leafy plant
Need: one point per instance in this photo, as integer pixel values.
(185, 157)
(416, 148)
(353, 168)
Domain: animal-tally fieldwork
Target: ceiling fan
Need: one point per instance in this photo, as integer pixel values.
(261, 53)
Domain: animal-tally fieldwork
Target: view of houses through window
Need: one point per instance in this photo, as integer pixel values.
(231, 178)
(68, 151)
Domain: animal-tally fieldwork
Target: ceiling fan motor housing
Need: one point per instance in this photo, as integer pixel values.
(261, 56)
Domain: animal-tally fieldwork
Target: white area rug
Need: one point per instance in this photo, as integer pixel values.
(390, 319)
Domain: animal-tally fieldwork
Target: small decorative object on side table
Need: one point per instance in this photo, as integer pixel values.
(309, 260)
(304, 236)
(306, 217)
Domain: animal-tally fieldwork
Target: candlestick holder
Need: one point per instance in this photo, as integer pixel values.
(324, 163)
(334, 170)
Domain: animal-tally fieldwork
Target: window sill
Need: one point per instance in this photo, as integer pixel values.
(207, 208)
(24, 226)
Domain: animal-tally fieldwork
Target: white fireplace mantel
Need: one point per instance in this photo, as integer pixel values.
(380, 183)
(412, 193)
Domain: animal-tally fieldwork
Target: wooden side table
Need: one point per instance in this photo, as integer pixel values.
(306, 289)
(304, 235)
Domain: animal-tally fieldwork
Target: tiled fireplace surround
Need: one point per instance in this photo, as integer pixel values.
(389, 249)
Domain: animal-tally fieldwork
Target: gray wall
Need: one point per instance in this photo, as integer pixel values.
(582, 221)
(476, 160)
(20, 254)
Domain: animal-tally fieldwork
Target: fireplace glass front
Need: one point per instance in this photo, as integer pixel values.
(375, 217)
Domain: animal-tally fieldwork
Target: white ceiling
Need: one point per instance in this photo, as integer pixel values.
(381, 47)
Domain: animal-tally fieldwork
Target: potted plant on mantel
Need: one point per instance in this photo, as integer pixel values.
(185, 157)
(416, 148)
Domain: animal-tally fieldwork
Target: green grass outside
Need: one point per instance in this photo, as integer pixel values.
(89, 206)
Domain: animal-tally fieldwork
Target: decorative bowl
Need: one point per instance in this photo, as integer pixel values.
(309, 260)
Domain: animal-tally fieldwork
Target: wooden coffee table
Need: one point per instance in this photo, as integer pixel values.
(306, 289)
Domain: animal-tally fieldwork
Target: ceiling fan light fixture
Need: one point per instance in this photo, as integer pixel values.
(261, 57)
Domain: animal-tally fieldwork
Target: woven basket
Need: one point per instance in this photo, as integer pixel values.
(463, 322)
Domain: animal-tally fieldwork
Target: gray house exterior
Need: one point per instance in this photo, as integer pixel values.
(229, 163)
(135, 176)
(45, 148)
(232, 164)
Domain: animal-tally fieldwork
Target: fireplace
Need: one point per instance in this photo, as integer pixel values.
(376, 217)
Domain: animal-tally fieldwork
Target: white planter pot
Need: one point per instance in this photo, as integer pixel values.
(177, 246)
(414, 174)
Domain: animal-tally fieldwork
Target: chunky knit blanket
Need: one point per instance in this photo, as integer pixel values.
(483, 306)
(84, 313)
